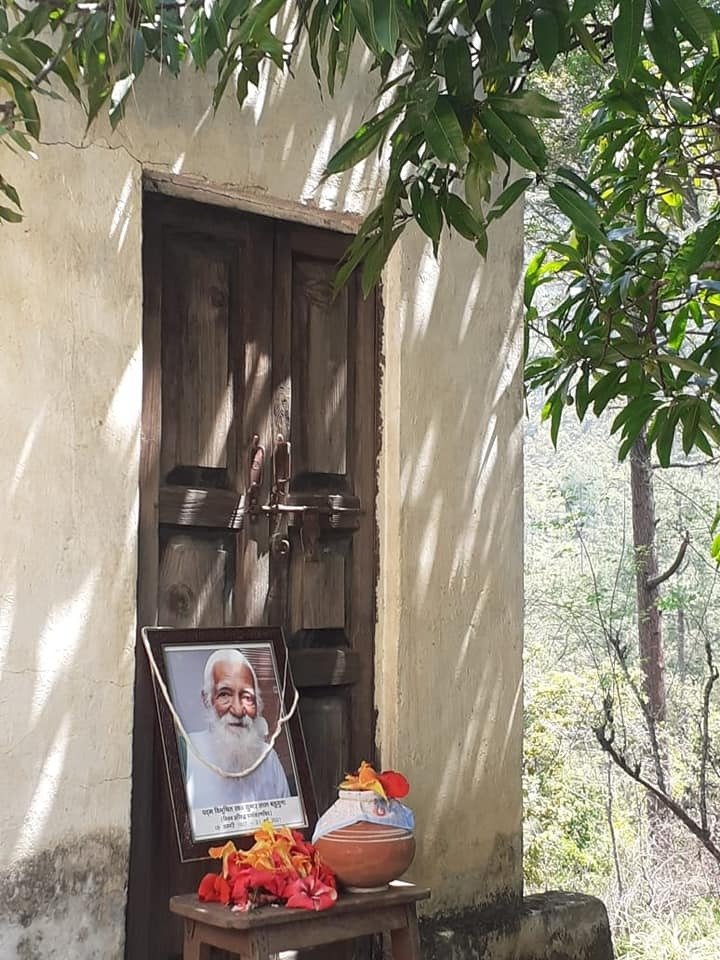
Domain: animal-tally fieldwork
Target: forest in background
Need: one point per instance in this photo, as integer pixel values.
(587, 827)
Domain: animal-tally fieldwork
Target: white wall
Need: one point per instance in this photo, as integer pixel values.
(449, 655)
(448, 643)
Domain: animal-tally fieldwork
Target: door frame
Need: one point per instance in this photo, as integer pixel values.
(144, 779)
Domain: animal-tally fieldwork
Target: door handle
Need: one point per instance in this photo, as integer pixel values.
(256, 472)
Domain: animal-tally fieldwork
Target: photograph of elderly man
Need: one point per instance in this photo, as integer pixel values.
(234, 738)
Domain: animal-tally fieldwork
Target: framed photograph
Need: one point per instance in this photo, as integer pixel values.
(238, 760)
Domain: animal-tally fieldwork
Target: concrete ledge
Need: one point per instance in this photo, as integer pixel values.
(551, 926)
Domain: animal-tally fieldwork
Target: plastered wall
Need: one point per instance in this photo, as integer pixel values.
(449, 595)
(449, 656)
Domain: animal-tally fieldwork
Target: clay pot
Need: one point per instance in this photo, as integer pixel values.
(366, 856)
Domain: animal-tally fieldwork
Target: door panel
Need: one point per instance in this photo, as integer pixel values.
(257, 493)
(319, 361)
(197, 386)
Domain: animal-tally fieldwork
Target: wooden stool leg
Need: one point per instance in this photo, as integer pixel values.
(193, 946)
(258, 946)
(406, 941)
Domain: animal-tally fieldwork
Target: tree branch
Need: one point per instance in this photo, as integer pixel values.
(634, 772)
(712, 677)
(655, 582)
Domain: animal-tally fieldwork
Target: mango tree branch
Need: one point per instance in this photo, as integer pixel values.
(655, 582)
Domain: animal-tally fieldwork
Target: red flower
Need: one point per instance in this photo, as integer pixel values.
(324, 874)
(214, 889)
(394, 784)
(273, 882)
(281, 866)
(309, 893)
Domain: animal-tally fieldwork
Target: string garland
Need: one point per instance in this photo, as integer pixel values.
(282, 719)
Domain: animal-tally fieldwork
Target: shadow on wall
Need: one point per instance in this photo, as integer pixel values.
(459, 450)
(70, 386)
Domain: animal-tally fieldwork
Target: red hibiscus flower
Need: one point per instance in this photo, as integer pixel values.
(214, 889)
(272, 882)
(309, 893)
(394, 784)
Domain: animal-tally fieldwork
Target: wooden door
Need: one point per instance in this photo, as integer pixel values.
(257, 492)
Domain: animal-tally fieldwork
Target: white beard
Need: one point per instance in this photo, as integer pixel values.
(236, 748)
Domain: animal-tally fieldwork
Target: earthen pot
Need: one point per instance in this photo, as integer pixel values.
(367, 856)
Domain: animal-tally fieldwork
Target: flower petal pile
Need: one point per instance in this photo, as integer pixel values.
(389, 784)
(281, 867)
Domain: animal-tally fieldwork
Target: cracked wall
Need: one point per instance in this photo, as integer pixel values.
(450, 511)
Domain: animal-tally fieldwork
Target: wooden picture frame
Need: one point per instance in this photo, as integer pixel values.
(209, 807)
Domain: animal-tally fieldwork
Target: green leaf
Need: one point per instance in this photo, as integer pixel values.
(567, 174)
(697, 248)
(546, 33)
(458, 69)
(375, 260)
(461, 217)
(664, 46)
(65, 72)
(138, 53)
(427, 211)
(634, 416)
(605, 390)
(362, 143)
(10, 192)
(258, 16)
(588, 43)
(364, 15)
(477, 185)
(506, 139)
(715, 549)
(701, 442)
(627, 31)
(20, 52)
(532, 276)
(527, 134)
(555, 418)
(693, 22)
(412, 28)
(10, 215)
(529, 103)
(666, 435)
(508, 197)
(387, 27)
(691, 425)
(28, 108)
(444, 133)
(581, 214)
(582, 395)
(677, 330)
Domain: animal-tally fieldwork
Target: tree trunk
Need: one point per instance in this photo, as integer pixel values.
(681, 663)
(652, 660)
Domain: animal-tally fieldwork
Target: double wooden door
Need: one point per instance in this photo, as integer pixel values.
(257, 492)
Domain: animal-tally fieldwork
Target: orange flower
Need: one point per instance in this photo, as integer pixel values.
(389, 785)
(223, 853)
(280, 866)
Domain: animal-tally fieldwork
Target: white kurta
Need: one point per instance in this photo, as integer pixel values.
(205, 788)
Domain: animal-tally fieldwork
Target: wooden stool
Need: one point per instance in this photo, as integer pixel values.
(259, 933)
